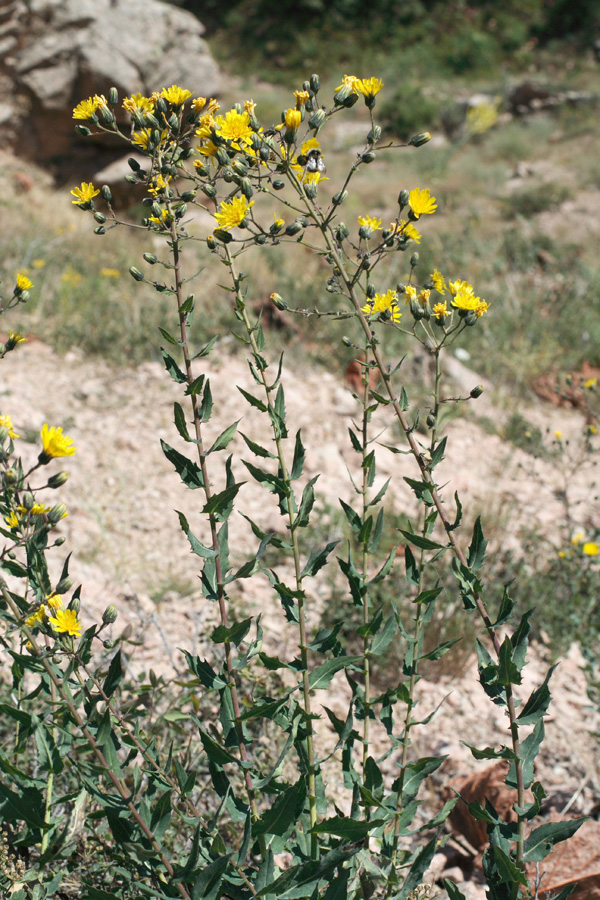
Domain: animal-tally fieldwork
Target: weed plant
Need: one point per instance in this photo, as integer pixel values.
(246, 782)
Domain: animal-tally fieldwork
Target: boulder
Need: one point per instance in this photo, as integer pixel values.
(54, 53)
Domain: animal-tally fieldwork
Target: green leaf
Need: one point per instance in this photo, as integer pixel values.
(284, 812)
(92, 893)
(438, 454)
(277, 414)
(354, 520)
(180, 423)
(403, 400)
(320, 677)
(253, 401)
(114, 675)
(189, 472)
(169, 337)
(221, 504)
(537, 703)
(275, 484)
(455, 524)
(347, 828)
(418, 868)
(306, 504)
(440, 650)
(490, 753)
(208, 883)
(529, 750)
(317, 560)
(257, 449)
(379, 495)
(224, 438)
(207, 348)
(204, 672)
(506, 608)
(235, 634)
(386, 567)
(477, 548)
(416, 773)
(422, 542)
(421, 489)
(508, 672)
(215, 752)
(299, 458)
(507, 871)
(454, 893)
(196, 386)
(384, 638)
(356, 445)
(412, 570)
(172, 368)
(197, 546)
(205, 411)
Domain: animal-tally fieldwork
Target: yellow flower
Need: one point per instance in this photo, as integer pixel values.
(249, 106)
(410, 292)
(110, 273)
(407, 229)
(85, 193)
(23, 283)
(38, 263)
(12, 520)
(368, 86)
(463, 287)
(466, 300)
(54, 601)
(384, 303)
(301, 98)
(591, 549)
(37, 616)
(577, 538)
(562, 554)
(86, 108)
(368, 225)
(234, 126)
(6, 422)
(100, 101)
(213, 106)
(558, 435)
(440, 310)
(481, 308)
(56, 443)
(421, 202)
(278, 223)
(38, 509)
(66, 622)
(348, 81)
(141, 138)
(233, 213)
(438, 281)
(138, 103)
(175, 95)
(424, 296)
(590, 383)
(198, 104)
(293, 118)
(591, 429)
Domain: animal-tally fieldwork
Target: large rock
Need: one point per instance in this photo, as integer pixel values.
(54, 53)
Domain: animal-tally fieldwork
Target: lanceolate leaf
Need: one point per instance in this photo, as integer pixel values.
(220, 504)
(320, 677)
(188, 471)
(224, 438)
(422, 542)
(477, 548)
(317, 560)
(537, 703)
(284, 811)
(172, 367)
(197, 546)
(350, 829)
(299, 457)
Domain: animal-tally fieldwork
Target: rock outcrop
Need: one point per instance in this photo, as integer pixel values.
(53, 53)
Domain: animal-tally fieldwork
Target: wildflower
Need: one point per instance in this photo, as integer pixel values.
(37, 616)
(591, 549)
(249, 106)
(590, 383)
(234, 126)
(577, 538)
(110, 273)
(466, 300)
(591, 429)
(85, 193)
(66, 622)
(23, 283)
(407, 229)
(558, 435)
(14, 338)
(424, 296)
(142, 138)
(233, 213)
(6, 422)
(12, 520)
(54, 601)
(100, 101)
(562, 554)
(86, 109)
(198, 104)
(410, 292)
(457, 286)
(278, 223)
(138, 103)
(38, 509)
(368, 87)
(438, 281)
(175, 95)
(481, 308)
(348, 81)
(293, 118)
(55, 443)
(387, 304)
(368, 225)
(440, 310)
(38, 263)
(301, 98)
(162, 220)
(421, 203)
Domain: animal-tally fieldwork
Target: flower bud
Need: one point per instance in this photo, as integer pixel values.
(311, 190)
(471, 318)
(315, 84)
(374, 134)
(174, 122)
(202, 170)
(340, 97)
(180, 210)
(152, 122)
(150, 258)
(188, 196)
(278, 185)
(133, 164)
(100, 230)
(347, 342)
(416, 309)
(59, 541)
(368, 157)
(317, 119)
(414, 260)
(4, 433)
(83, 130)
(229, 176)
(417, 140)
(56, 481)
(135, 273)
(58, 512)
(278, 301)
(64, 585)
(293, 228)
(246, 188)
(28, 500)
(113, 96)
(161, 105)
(106, 193)
(131, 179)
(10, 477)
(223, 236)
(341, 233)
(476, 392)
(74, 604)
(402, 199)
(108, 645)
(222, 156)
(109, 615)
(210, 190)
(431, 419)
(100, 217)
(339, 197)
(211, 243)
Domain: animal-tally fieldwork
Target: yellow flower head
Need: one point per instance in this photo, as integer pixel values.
(55, 443)
(462, 287)
(301, 98)
(410, 292)
(438, 281)
(233, 213)
(293, 118)
(85, 193)
(348, 81)
(590, 383)
(577, 538)
(23, 283)
(558, 435)
(14, 338)
(198, 104)
(421, 202)
(66, 622)
(424, 296)
(249, 106)
(591, 429)
(175, 95)
(138, 103)
(110, 273)
(466, 300)
(440, 311)
(407, 229)
(86, 109)
(37, 616)
(481, 308)
(386, 304)
(54, 601)
(100, 101)
(278, 223)
(141, 139)
(368, 225)
(368, 86)
(12, 520)
(234, 126)
(591, 549)
(38, 509)
(6, 422)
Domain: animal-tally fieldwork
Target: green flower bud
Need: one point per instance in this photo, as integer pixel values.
(210, 190)
(260, 239)
(374, 134)
(135, 273)
(315, 84)
(10, 477)
(317, 119)
(113, 96)
(347, 342)
(211, 243)
(339, 197)
(278, 185)
(83, 130)
(229, 176)
(133, 164)
(416, 309)
(161, 105)
(476, 392)
(368, 157)
(147, 201)
(246, 188)
(161, 288)
(59, 541)
(156, 209)
(108, 645)
(150, 258)
(180, 210)
(64, 585)
(306, 86)
(223, 236)
(109, 615)
(293, 228)
(418, 140)
(174, 122)
(239, 167)
(58, 512)
(470, 318)
(107, 116)
(278, 301)
(131, 179)
(414, 260)
(310, 190)
(201, 170)
(431, 419)
(28, 500)
(351, 100)
(75, 604)
(56, 481)
(188, 196)
(341, 233)
(264, 153)
(100, 217)
(340, 97)
(222, 156)
(370, 291)
(402, 199)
